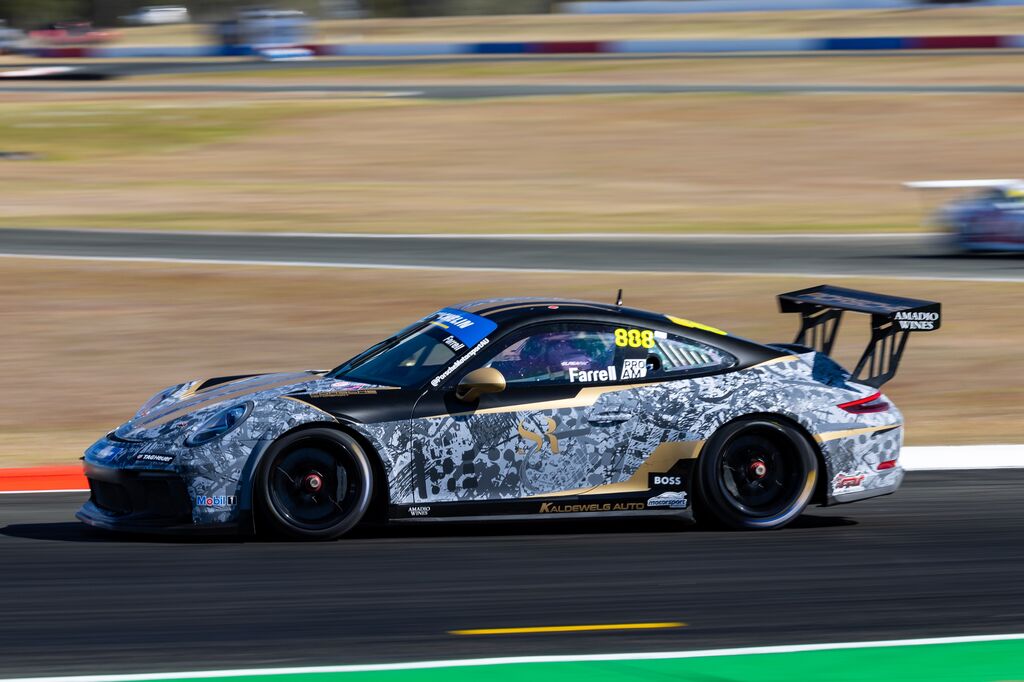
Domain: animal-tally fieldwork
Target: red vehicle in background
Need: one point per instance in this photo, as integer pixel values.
(72, 33)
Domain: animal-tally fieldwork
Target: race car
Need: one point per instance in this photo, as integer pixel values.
(990, 219)
(524, 408)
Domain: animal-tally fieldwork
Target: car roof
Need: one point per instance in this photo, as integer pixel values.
(514, 311)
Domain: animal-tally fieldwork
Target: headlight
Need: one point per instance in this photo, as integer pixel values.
(157, 399)
(220, 424)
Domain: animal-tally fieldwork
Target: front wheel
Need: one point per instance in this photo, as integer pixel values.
(314, 484)
(755, 474)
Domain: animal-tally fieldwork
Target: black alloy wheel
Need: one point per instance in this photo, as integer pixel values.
(755, 474)
(314, 484)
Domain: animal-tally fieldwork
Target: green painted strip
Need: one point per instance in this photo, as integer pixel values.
(995, 661)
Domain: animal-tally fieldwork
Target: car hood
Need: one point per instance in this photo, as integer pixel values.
(185, 406)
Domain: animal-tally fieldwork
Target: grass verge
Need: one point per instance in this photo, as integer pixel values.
(681, 163)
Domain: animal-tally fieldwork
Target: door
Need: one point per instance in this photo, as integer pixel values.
(562, 423)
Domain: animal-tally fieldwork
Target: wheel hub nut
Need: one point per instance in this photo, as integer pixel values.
(313, 482)
(758, 469)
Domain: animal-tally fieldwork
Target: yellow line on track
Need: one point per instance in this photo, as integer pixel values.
(569, 628)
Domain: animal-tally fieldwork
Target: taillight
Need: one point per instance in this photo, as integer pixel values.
(869, 405)
(888, 464)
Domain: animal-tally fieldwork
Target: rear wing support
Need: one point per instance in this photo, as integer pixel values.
(893, 318)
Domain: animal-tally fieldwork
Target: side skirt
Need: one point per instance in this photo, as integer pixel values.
(646, 503)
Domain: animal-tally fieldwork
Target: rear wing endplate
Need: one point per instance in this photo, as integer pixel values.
(892, 319)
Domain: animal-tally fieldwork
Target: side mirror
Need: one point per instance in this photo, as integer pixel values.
(479, 382)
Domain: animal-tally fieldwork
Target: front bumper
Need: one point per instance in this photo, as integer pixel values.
(140, 501)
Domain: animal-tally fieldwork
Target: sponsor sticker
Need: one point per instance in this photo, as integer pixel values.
(154, 457)
(419, 511)
(538, 437)
(847, 483)
(467, 328)
(668, 500)
(919, 320)
(663, 481)
(216, 501)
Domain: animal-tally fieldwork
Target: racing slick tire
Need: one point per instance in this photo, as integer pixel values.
(314, 484)
(754, 474)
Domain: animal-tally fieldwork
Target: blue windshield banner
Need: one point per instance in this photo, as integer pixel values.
(468, 328)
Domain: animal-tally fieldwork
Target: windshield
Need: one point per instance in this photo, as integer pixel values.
(417, 353)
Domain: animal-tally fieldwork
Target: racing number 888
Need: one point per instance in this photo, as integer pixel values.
(634, 338)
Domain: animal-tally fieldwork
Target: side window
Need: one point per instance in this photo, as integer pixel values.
(563, 354)
(675, 355)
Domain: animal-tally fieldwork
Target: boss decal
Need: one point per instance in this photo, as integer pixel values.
(665, 482)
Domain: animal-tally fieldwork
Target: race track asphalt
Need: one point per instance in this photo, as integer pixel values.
(910, 255)
(941, 557)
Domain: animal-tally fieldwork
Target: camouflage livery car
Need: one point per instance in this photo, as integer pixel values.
(513, 408)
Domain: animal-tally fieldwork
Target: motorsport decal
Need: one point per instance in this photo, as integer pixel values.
(419, 511)
(468, 328)
(436, 381)
(554, 508)
(847, 483)
(216, 500)
(634, 369)
(669, 500)
(631, 369)
(343, 388)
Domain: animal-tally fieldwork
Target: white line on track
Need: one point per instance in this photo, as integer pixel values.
(460, 268)
(511, 660)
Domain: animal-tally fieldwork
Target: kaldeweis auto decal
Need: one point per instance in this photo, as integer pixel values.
(634, 338)
(469, 329)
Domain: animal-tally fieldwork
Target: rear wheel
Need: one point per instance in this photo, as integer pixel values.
(314, 484)
(755, 474)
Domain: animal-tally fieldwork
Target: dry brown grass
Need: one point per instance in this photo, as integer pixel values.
(665, 163)
(936, 21)
(947, 68)
(85, 344)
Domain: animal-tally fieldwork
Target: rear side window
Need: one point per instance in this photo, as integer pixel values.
(672, 355)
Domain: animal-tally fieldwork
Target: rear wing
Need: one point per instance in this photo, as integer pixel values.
(892, 319)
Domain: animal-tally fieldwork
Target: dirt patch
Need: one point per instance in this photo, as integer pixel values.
(85, 344)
